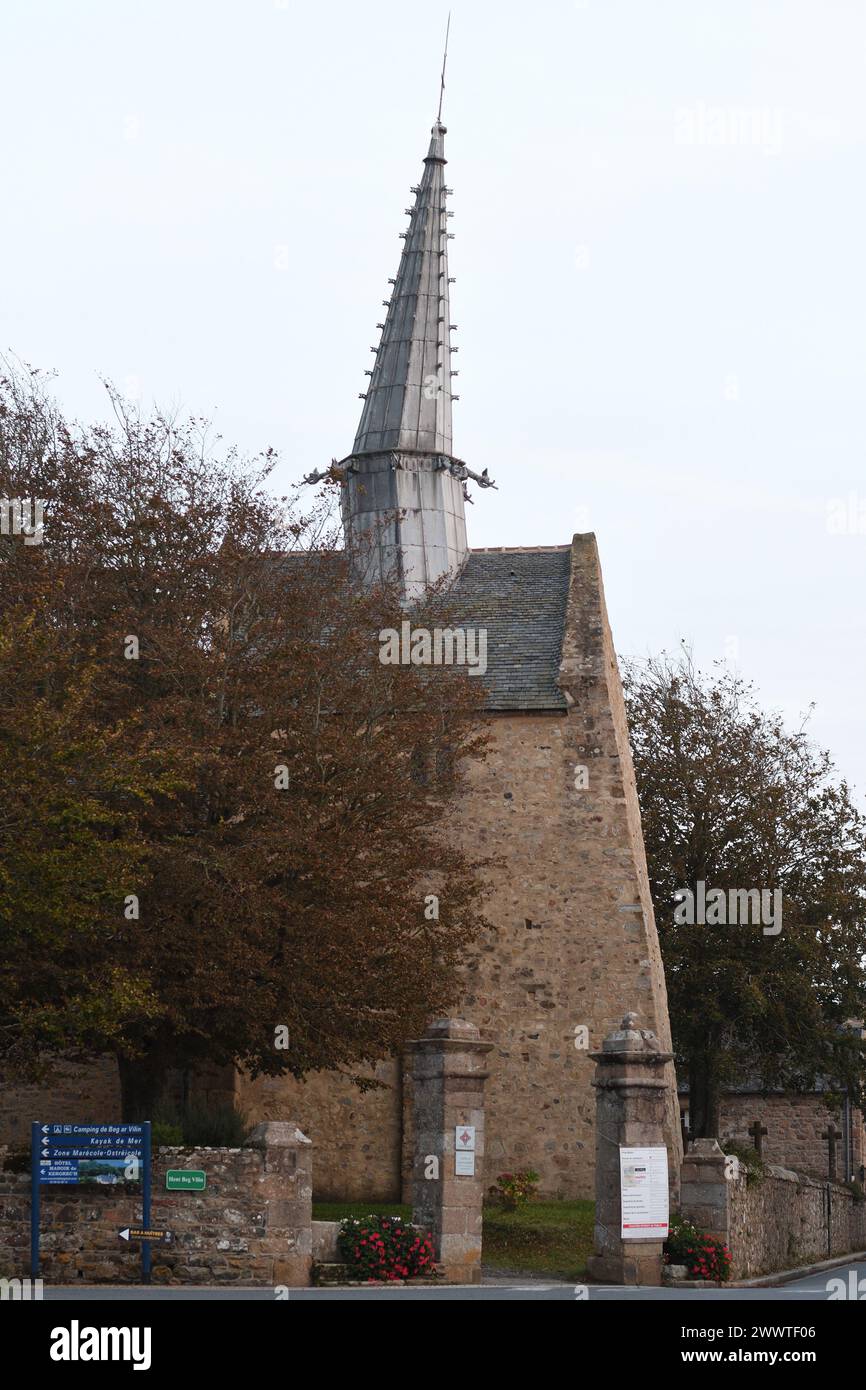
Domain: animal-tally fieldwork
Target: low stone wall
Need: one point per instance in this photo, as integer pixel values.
(778, 1221)
(787, 1220)
(250, 1226)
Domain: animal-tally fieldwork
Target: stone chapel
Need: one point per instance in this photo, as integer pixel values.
(576, 945)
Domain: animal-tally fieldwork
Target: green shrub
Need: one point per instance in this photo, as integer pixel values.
(200, 1125)
(750, 1161)
(214, 1126)
(384, 1247)
(166, 1127)
(511, 1190)
(165, 1135)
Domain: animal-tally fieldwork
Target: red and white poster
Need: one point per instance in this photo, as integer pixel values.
(643, 1184)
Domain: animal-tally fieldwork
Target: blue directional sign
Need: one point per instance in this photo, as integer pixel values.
(120, 1136)
(91, 1154)
(105, 1155)
(90, 1141)
(88, 1153)
(69, 1141)
(58, 1172)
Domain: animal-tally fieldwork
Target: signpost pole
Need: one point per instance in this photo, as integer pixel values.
(35, 1147)
(145, 1204)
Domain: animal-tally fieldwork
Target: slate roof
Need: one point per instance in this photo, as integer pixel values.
(520, 597)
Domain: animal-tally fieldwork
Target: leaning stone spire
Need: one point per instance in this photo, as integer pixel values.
(408, 401)
(403, 489)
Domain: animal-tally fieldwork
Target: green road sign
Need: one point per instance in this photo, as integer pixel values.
(185, 1179)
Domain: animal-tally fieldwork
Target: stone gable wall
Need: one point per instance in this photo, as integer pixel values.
(576, 942)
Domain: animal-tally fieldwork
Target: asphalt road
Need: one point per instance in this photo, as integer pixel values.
(812, 1288)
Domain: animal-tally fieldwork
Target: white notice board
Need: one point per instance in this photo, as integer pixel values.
(643, 1185)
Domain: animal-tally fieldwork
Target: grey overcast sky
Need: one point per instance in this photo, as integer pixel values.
(660, 230)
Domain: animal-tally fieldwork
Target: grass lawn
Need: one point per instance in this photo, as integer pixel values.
(544, 1237)
(549, 1238)
(335, 1211)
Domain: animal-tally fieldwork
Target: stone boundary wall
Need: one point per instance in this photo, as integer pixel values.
(779, 1221)
(250, 1226)
(783, 1222)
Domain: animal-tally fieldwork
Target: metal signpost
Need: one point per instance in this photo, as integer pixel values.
(82, 1153)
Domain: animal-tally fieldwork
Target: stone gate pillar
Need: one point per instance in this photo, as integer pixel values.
(631, 1091)
(706, 1190)
(448, 1076)
(285, 1186)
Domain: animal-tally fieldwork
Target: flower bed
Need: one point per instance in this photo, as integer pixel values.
(384, 1248)
(704, 1256)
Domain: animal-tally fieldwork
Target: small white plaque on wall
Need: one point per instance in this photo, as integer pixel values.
(464, 1164)
(643, 1186)
(464, 1137)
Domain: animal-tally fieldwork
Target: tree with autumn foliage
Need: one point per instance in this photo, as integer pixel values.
(69, 846)
(265, 804)
(733, 798)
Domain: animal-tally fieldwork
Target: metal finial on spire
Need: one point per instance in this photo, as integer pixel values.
(444, 61)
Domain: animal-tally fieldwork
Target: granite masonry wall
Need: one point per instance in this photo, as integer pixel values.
(795, 1125)
(250, 1226)
(357, 1136)
(76, 1094)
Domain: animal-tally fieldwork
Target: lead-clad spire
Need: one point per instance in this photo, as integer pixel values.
(403, 490)
(408, 402)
